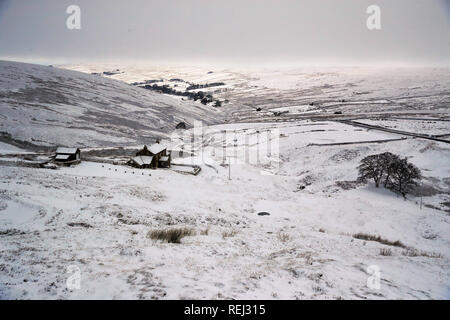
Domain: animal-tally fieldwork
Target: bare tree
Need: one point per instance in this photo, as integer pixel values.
(397, 174)
(404, 177)
(388, 160)
(371, 167)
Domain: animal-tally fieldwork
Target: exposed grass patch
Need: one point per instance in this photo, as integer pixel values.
(79, 224)
(410, 252)
(386, 252)
(368, 237)
(322, 230)
(171, 235)
(347, 185)
(11, 232)
(229, 233)
(204, 232)
(283, 237)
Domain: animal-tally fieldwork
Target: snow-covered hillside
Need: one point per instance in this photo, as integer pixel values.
(51, 106)
(97, 216)
(275, 212)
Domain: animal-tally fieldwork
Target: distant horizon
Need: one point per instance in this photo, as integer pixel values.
(233, 33)
(223, 65)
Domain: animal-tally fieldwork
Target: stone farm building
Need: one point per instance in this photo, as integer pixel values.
(67, 155)
(151, 157)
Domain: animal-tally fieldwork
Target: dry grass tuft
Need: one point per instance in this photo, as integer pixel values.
(417, 253)
(386, 252)
(283, 237)
(171, 235)
(229, 233)
(368, 237)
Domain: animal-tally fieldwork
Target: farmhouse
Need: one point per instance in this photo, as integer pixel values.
(67, 156)
(151, 157)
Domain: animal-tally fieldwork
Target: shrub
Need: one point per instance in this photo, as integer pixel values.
(172, 235)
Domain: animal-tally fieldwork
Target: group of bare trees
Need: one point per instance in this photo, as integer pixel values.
(395, 173)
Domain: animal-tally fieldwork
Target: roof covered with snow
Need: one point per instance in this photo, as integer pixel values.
(156, 148)
(62, 157)
(142, 160)
(62, 150)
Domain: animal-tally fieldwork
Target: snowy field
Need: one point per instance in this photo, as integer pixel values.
(298, 167)
(97, 216)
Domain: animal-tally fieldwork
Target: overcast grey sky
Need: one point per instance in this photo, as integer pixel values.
(228, 31)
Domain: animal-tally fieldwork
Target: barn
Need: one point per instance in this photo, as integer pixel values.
(151, 157)
(67, 156)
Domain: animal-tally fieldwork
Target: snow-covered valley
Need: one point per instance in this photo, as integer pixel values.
(96, 216)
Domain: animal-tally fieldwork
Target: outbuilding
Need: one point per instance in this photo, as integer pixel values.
(67, 156)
